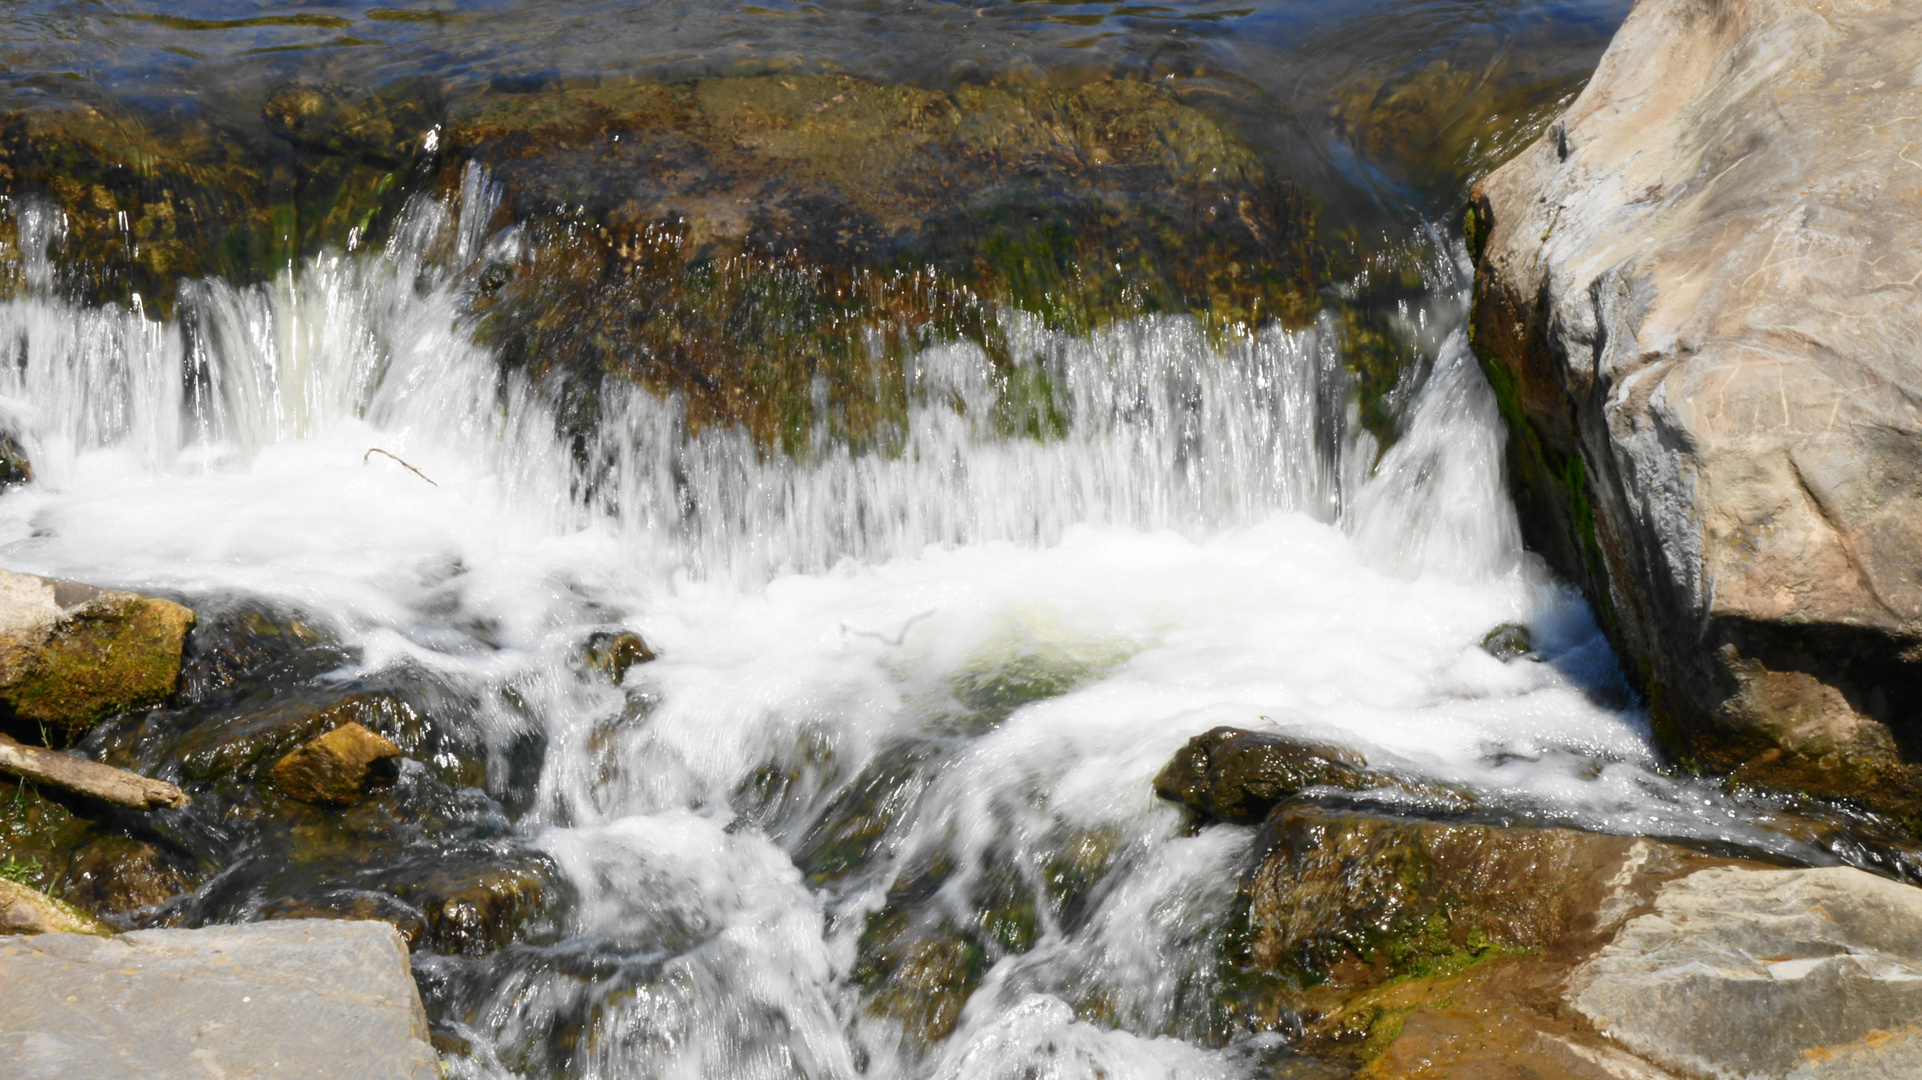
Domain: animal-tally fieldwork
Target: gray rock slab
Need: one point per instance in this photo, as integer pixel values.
(1742, 974)
(305, 998)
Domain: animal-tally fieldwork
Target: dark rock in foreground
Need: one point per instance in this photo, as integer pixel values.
(317, 999)
(1697, 304)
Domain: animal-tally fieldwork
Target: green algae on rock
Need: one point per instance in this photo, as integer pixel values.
(147, 198)
(1350, 923)
(72, 655)
(25, 910)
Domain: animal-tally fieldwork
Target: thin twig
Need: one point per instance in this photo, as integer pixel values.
(377, 450)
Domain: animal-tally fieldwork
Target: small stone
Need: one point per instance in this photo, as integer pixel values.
(30, 911)
(336, 767)
(612, 654)
(1508, 641)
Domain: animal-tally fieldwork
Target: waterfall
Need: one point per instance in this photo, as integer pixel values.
(899, 741)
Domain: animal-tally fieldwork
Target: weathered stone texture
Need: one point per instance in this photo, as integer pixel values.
(1698, 300)
(1771, 973)
(302, 998)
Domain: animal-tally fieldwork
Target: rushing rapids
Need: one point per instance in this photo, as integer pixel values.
(882, 806)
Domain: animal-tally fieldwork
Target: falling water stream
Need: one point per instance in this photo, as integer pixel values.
(924, 690)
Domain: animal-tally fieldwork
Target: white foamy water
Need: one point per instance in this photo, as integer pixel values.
(1211, 542)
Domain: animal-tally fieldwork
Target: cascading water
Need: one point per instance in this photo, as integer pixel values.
(882, 806)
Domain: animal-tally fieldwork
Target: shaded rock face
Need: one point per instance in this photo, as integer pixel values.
(304, 999)
(72, 654)
(1772, 973)
(1697, 304)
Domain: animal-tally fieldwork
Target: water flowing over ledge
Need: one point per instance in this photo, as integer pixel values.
(882, 806)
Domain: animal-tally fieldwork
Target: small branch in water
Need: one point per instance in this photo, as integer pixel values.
(377, 450)
(896, 639)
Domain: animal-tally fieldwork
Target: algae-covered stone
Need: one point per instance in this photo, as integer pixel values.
(1236, 775)
(1352, 923)
(148, 197)
(25, 910)
(336, 767)
(1509, 641)
(1228, 774)
(72, 654)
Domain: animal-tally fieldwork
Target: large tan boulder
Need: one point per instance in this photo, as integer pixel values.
(1699, 300)
(72, 654)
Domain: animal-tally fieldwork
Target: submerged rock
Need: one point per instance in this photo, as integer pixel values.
(313, 999)
(25, 910)
(118, 877)
(337, 766)
(1696, 304)
(1509, 641)
(73, 654)
(612, 654)
(1744, 973)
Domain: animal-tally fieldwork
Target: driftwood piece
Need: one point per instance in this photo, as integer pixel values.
(77, 774)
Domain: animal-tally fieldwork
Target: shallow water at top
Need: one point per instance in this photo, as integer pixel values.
(1302, 78)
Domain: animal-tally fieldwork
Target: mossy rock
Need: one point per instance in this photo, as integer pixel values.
(1349, 922)
(25, 910)
(72, 655)
(38, 834)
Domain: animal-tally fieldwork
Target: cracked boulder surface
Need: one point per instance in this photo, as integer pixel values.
(1697, 301)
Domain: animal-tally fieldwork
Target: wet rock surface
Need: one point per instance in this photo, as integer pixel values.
(1229, 774)
(1696, 304)
(72, 654)
(336, 767)
(314, 999)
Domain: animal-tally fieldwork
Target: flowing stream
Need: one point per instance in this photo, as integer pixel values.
(882, 805)
(988, 645)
